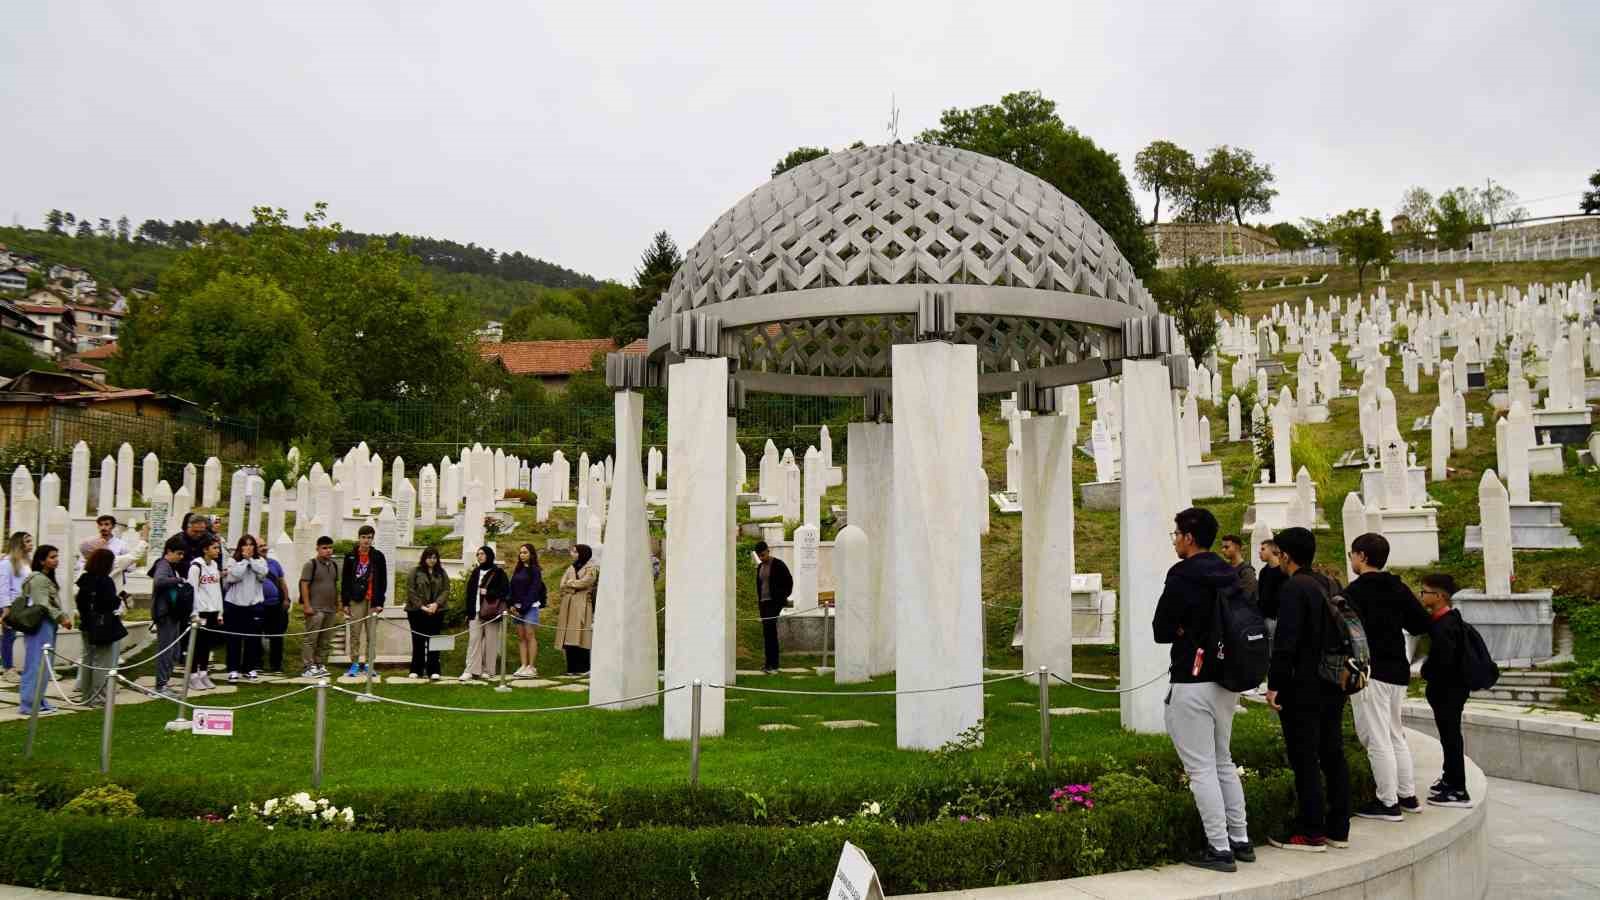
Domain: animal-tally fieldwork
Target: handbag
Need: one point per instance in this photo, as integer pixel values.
(23, 616)
(103, 628)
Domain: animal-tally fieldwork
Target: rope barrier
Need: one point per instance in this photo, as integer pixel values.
(253, 634)
(273, 699)
(133, 665)
(1137, 687)
(520, 709)
(953, 687)
(50, 669)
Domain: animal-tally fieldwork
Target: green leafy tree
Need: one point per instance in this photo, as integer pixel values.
(1362, 240)
(1164, 166)
(1231, 181)
(1024, 130)
(85, 230)
(799, 156)
(1456, 215)
(657, 265)
(17, 357)
(530, 324)
(238, 345)
(1591, 198)
(1289, 236)
(1415, 216)
(122, 228)
(1195, 294)
(53, 220)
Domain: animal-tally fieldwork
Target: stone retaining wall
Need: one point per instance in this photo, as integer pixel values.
(1557, 750)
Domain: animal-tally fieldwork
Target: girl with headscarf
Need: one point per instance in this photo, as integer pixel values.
(575, 631)
(487, 592)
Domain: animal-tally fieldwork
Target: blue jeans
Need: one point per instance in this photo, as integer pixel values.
(33, 663)
(8, 637)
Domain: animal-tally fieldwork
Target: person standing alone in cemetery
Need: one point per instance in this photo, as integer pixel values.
(488, 589)
(319, 604)
(774, 584)
(1310, 708)
(244, 596)
(274, 613)
(1199, 710)
(528, 595)
(1233, 554)
(14, 570)
(575, 628)
(206, 580)
(1445, 672)
(427, 595)
(365, 580)
(171, 604)
(1387, 609)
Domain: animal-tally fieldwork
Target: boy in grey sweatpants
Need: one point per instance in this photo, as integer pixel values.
(1199, 712)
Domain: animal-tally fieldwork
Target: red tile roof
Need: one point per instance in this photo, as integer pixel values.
(104, 351)
(78, 365)
(545, 357)
(640, 347)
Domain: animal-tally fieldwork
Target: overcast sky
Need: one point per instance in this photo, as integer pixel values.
(574, 130)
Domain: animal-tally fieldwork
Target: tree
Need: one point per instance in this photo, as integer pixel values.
(527, 324)
(1232, 181)
(17, 357)
(1415, 215)
(797, 157)
(105, 229)
(1591, 198)
(1361, 240)
(1456, 215)
(69, 219)
(240, 346)
(53, 221)
(1164, 165)
(122, 228)
(657, 265)
(85, 230)
(1195, 294)
(1289, 236)
(1024, 130)
(1499, 204)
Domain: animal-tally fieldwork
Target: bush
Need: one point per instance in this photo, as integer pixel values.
(108, 800)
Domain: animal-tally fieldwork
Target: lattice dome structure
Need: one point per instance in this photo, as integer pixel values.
(818, 272)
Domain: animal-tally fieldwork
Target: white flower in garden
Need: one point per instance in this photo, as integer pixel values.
(323, 803)
(874, 808)
(349, 815)
(267, 807)
(329, 813)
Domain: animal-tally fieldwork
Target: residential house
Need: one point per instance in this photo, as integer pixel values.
(58, 320)
(13, 279)
(96, 326)
(552, 362)
(491, 332)
(19, 323)
(35, 402)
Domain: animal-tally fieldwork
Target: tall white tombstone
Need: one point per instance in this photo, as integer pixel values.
(238, 492)
(107, 500)
(807, 565)
(1149, 447)
(161, 524)
(78, 484)
(25, 512)
(288, 557)
(211, 482)
(306, 532)
(277, 510)
(1353, 516)
(697, 479)
(939, 638)
(563, 477)
(49, 499)
(624, 660)
(1260, 533)
(652, 471)
(869, 496)
(182, 504)
(191, 479)
(546, 479)
(584, 480)
(854, 606)
(302, 498)
(499, 466)
(1494, 509)
(790, 505)
(1519, 429)
(1458, 422)
(428, 496)
(124, 476)
(450, 477)
(405, 511)
(1047, 545)
(386, 540)
(1439, 439)
(1305, 499)
(811, 489)
(397, 474)
(1235, 419)
(472, 522)
(150, 475)
(1282, 439)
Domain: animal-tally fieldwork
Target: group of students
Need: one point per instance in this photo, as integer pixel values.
(1306, 606)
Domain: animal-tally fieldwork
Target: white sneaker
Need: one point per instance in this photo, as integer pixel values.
(465, 676)
(434, 677)
(412, 676)
(252, 675)
(197, 683)
(233, 677)
(210, 685)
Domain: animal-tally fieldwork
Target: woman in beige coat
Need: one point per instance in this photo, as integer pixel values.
(575, 626)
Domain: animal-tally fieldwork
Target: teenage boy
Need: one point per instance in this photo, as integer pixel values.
(773, 586)
(319, 603)
(1447, 689)
(169, 614)
(1310, 708)
(365, 586)
(1269, 581)
(1233, 553)
(1387, 609)
(1199, 710)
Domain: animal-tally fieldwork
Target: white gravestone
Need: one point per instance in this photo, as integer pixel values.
(78, 485)
(211, 482)
(1047, 544)
(1494, 509)
(124, 476)
(107, 500)
(624, 658)
(854, 606)
(150, 475)
(428, 496)
(807, 565)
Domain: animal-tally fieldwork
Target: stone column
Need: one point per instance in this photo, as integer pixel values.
(854, 607)
(1494, 511)
(1047, 544)
(697, 480)
(938, 631)
(1149, 448)
(869, 495)
(78, 484)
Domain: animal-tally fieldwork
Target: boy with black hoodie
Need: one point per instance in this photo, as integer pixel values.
(1310, 708)
(1387, 608)
(1199, 712)
(1447, 688)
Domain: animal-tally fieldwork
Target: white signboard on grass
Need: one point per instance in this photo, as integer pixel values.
(215, 722)
(855, 879)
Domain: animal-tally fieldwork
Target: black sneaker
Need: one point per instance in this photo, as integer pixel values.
(1410, 805)
(1213, 859)
(1456, 797)
(1294, 840)
(1242, 851)
(1374, 809)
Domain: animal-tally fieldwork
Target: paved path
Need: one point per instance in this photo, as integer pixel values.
(1544, 842)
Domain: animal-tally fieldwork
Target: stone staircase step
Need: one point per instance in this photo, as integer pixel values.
(1517, 694)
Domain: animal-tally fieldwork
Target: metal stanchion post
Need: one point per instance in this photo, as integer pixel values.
(105, 725)
(369, 625)
(182, 723)
(319, 733)
(826, 617)
(694, 734)
(38, 699)
(1044, 715)
(502, 687)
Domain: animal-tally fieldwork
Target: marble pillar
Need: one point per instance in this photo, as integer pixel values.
(624, 660)
(854, 607)
(869, 496)
(1047, 545)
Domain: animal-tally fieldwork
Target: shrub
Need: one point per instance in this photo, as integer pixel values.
(108, 800)
(574, 807)
(299, 811)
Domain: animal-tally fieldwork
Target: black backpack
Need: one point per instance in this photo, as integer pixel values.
(1347, 659)
(1241, 640)
(1478, 669)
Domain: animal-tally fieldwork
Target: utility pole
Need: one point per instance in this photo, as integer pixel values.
(1488, 200)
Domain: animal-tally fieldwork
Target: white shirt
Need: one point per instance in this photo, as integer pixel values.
(10, 582)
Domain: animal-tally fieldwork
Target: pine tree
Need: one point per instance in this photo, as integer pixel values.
(656, 268)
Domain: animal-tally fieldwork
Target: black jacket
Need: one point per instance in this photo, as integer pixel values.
(1268, 584)
(1447, 641)
(1188, 603)
(1386, 607)
(780, 583)
(1302, 635)
(496, 586)
(352, 591)
(1246, 574)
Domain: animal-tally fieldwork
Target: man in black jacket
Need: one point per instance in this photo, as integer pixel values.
(1199, 712)
(1310, 708)
(1233, 554)
(1387, 608)
(1447, 688)
(364, 585)
(773, 586)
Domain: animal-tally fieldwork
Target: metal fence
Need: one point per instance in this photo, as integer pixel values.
(44, 441)
(1497, 250)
